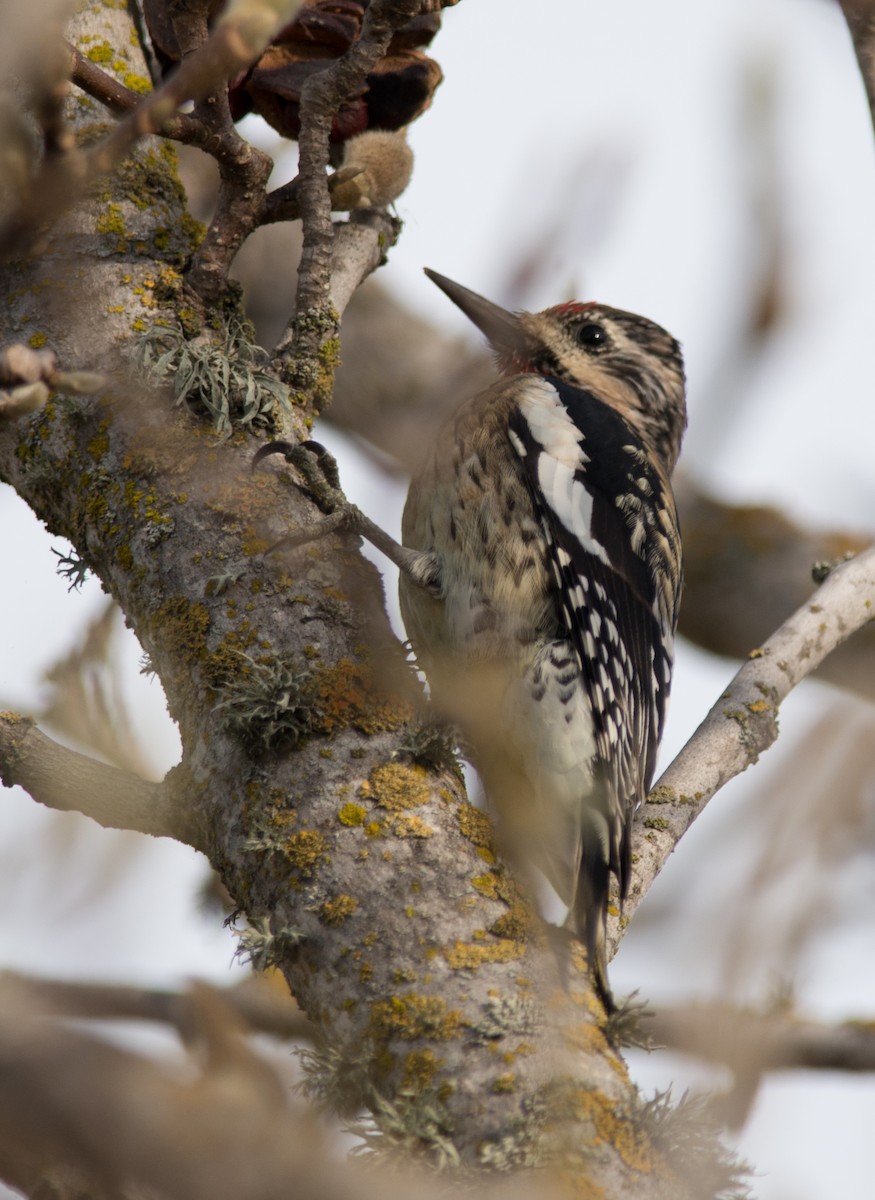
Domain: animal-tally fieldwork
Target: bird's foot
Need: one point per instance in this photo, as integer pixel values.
(321, 482)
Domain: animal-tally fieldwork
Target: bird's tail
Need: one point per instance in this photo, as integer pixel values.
(588, 913)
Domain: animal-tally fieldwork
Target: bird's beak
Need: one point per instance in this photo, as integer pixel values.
(502, 328)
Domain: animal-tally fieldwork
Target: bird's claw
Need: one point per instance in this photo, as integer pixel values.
(316, 466)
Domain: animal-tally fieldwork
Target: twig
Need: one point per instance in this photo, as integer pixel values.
(284, 203)
(315, 321)
(359, 248)
(101, 85)
(743, 723)
(62, 779)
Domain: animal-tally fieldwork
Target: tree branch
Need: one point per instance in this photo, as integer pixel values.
(860, 16)
(67, 781)
(315, 321)
(743, 723)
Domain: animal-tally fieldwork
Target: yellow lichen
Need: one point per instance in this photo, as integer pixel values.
(305, 850)
(465, 956)
(475, 825)
(347, 695)
(420, 1068)
(408, 825)
(352, 814)
(486, 885)
(619, 1130)
(412, 1016)
(397, 787)
(336, 910)
(515, 924)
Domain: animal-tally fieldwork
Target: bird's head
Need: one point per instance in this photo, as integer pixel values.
(627, 361)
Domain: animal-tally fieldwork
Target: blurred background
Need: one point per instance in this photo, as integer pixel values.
(710, 166)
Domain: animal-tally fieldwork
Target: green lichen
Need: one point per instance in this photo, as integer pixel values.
(662, 795)
(689, 1139)
(265, 704)
(263, 948)
(222, 378)
(504, 1083)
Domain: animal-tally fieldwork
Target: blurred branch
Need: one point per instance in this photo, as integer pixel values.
(753, 1043)
(86, 702)
(743, 723)
(746, 567)
(113, 95)
(261, 1002)
(774, 1041)
(112, 1124)
(62, 779)
(224, 1129)
(817, 822)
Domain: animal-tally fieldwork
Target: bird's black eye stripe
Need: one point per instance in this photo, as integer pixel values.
(591, 336)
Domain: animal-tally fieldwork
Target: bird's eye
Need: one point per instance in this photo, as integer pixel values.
(592, 336)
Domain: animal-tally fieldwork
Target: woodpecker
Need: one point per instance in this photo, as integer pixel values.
(546, 512)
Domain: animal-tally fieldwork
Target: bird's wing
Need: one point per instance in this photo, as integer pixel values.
(611, 537)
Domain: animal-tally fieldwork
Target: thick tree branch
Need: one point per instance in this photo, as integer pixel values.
(62, 779)
(743, 723)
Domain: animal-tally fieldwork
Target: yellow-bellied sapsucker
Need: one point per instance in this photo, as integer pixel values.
(546, 511)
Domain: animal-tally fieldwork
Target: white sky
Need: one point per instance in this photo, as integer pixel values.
(628, 121)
